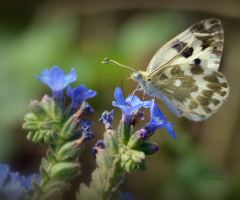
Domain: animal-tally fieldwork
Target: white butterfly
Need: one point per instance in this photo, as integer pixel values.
(184, 72)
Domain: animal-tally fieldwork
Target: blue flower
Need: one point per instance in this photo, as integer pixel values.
(158, 120)
(130, 105)
(79, 94)
(56, 80)
(13, 185)
(127, 196)
(99, 145)
(107, 118)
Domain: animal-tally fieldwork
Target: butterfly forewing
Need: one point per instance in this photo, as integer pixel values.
(201, 43)
(184, 72)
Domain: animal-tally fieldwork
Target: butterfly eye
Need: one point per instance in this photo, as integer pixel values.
(148, 79)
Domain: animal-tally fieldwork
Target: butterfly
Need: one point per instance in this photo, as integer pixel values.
(184, 72)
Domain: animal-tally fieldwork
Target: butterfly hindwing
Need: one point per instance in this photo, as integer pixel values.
(191, 90)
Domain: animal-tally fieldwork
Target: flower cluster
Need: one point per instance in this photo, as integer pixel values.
(133, 103)
(63, 128)
(123, 150)
(49, 117)
(134, 146)
(13, 186)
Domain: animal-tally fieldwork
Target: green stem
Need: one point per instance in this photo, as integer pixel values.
(114, 180)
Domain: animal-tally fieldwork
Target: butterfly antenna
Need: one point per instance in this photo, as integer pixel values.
(117, 64)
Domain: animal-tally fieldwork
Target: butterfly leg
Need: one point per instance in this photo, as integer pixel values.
(135, 92)
(144, 93)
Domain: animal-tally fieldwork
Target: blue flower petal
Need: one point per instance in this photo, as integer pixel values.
(69, 78)
(127, 196)
(87, 134)
(169, 127)
(14, 186)
(91, 93)
(131, 105)
(119, 96)
(4, 169)
(69, 91)
(132, 100)
(107, 117)
(158, 120)
(15, 177)
(79, 94)
(13, 190)
(99, 145)
(28, 181)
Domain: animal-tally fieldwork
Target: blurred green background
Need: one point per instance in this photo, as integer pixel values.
(203, 163)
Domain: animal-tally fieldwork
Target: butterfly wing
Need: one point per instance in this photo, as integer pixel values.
(185, 74)
(202, 44)
(191, 90)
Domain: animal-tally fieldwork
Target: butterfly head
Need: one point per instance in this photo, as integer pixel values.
(141, 77)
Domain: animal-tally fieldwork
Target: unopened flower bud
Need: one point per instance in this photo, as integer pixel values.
(130, 166)
(149, 148)
(38, 109)
(137, 138)
(69, 151)
(141, 166)
(46, 103)
(65, 171)
(138, 156)
(111, 142)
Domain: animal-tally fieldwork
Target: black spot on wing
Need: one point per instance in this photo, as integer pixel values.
(225, 85)
(207, 41)
(176, 71)
(215, 87)
(207, 109)
(203, 100)
(179, 46)
(223, 93)
(208, 93)
(196, 69)
(216, 101)
(214, 28)
(187, 52)
(193, 105)
(197, 61)
(163, 76)
(200, 27)
(211, 78)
